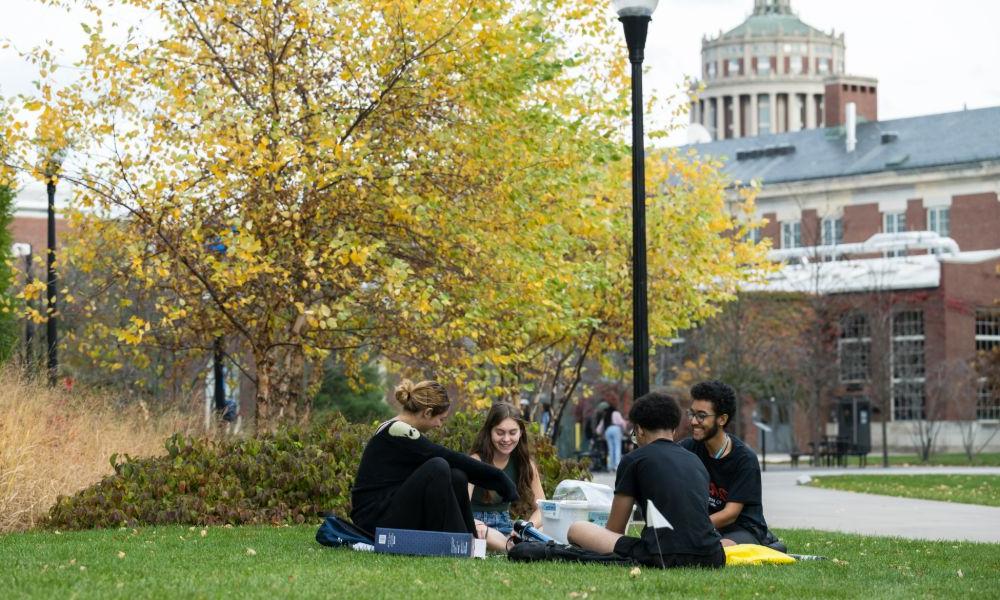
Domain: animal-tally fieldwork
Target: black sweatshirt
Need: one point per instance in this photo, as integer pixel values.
(393, 453)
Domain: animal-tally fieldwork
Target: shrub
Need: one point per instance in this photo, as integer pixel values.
(287, 477)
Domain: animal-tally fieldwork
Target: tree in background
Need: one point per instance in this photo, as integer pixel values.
(439, 183)
(8, 307)
(359, 399)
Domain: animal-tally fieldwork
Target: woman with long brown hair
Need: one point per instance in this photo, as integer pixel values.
(405, 481)
(503, 443)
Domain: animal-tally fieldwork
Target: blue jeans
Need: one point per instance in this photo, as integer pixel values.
(499, 520)
(613, 434)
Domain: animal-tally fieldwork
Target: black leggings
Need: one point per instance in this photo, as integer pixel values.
(434, 498)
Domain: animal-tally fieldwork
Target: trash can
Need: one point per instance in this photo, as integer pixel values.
(572, 501)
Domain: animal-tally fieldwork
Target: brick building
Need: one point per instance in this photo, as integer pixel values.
(906, 208)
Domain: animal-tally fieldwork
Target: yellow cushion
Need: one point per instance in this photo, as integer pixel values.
(752, 554)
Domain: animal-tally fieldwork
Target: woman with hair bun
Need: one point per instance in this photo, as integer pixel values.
(405, 481)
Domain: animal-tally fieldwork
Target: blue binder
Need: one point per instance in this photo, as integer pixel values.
(423, 543)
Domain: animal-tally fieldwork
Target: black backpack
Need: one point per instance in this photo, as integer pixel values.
(335, 532)
(552, 551)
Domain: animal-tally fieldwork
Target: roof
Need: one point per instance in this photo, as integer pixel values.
(903, 273)
(942, 140)
(770, 25)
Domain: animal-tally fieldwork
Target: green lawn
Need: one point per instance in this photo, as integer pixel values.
(260, 562)
(966, 489)
(985, 459)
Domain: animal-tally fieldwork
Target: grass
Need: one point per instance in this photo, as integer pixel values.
(285, 562)
(983, 459)
(965, 489)
(54, 441)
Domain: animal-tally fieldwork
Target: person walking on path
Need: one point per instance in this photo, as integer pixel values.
(612, 426)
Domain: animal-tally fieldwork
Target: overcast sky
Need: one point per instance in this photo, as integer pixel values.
(929, 56)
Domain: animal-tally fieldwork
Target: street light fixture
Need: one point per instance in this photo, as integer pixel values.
(635, 16)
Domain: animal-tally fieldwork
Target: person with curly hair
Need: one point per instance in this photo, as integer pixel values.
(735, 492)
(663, 476)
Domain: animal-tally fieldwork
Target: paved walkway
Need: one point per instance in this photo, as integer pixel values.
(789, 505)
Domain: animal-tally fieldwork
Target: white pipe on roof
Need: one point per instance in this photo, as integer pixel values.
(876, 244)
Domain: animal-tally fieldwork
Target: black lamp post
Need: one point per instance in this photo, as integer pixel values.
(51, 329)
(219, 374)
(635, 16)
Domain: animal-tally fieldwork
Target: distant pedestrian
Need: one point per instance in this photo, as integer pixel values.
(612, 427)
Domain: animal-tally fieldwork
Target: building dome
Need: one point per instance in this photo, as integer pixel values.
(768, 74)
(772, 18)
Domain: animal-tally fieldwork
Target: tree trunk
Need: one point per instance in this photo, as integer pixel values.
(263, 416)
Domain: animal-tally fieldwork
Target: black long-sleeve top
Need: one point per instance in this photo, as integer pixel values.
(394, 452)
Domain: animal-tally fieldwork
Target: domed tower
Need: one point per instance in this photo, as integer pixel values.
(771, 73)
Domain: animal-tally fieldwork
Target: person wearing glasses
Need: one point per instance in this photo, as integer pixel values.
(735, 489)
(661, 474)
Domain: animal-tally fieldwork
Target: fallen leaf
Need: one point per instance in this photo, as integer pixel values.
(83, 568)
(121, 554)
(251, 552)
(635, 572)
(204, 533)
(960, 573)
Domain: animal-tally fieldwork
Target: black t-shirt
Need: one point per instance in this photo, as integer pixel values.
(676, 482)
(734, 477)
(391, 456)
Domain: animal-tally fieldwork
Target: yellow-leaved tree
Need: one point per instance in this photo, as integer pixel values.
(441, 183)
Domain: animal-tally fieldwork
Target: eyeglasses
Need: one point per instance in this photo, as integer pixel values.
(699, 416)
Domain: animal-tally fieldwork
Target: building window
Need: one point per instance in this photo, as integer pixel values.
(763, 65)
(823, 66)
(763, 114)
(833, 231)
(791, 234)
(987, 330)
(987, 401)
(710, 71)
(795, 64)
(894, 223)
(734, 67)
(854, 347)
(754, 236)
(907, 359)
(939, 220)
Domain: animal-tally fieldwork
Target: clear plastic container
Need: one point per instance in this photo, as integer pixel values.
(573, 501)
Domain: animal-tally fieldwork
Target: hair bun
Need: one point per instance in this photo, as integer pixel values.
(404, 393)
